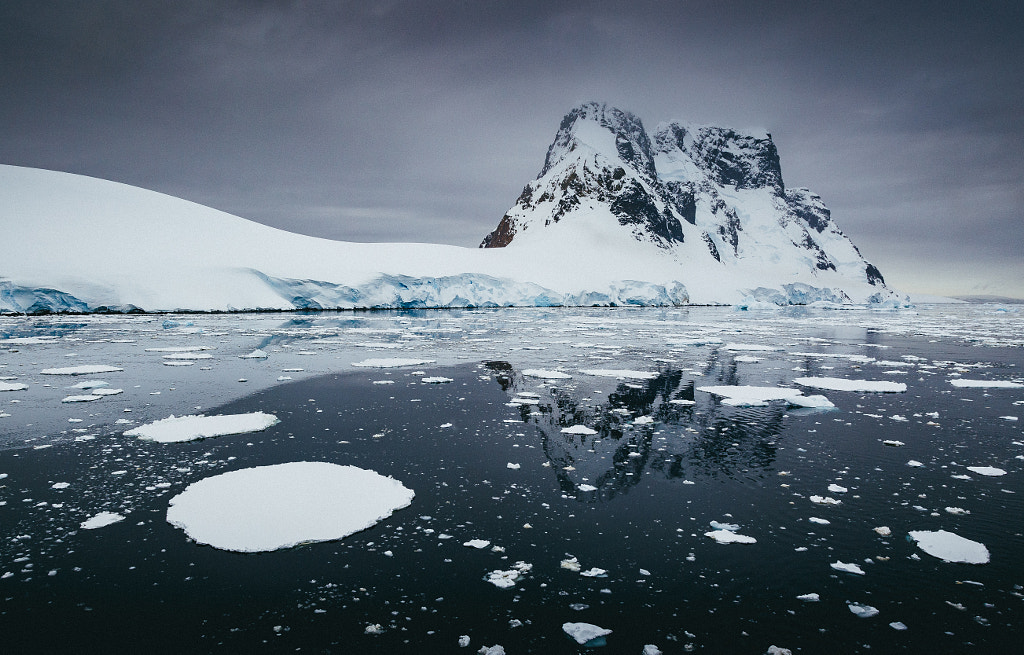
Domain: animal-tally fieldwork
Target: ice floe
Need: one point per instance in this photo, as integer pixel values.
(282, 505)
(729, 537)
(585, 632)
(619, 374)
(101, 520)
(950, 547)
(13, 386)
(751, 396)
(545, 374)
(840, 384)
(391, 362)
(579, 429)
(508, 578)
(436, 380)
(862, 611)
(990, 471)
(986, 384)
(847, 567)
(84, 369)
(175, 429)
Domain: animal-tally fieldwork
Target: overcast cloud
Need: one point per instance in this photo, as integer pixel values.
(422, 121)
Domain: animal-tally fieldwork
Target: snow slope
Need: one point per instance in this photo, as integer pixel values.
(74, 243)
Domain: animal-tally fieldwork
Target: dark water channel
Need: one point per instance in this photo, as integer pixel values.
(482, 469)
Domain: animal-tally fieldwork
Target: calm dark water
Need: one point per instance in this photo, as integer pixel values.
(141, 586)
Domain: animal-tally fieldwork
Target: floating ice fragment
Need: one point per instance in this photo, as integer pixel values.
(587, 487)
(750, 396)
(815, 519)
(491, 650)
(894, 443)
(106, 392)
(256, 354)
(507, 579)
(436, 380)
(175, 429)
(584, 632)
(883, 530)
(279, 506)
(848, 568)
(578, 429)
(101, 520)
(983, 384)
(391, 362)
(477, 543)
(914, 463)
(13, 386)
(546, 375)
(643, 420)
(571, 564)
(514, 467)
(60, 485)
(651, 649)
(836, 489)
(862, 611)
(85, 369)
(594, 573)
(682, 401)
(809, 598)
(374, 629)
(623, 374)
(80, 399)
(1009, 418)
(727, 537)
(991, 471)
(824, 500)
(957, 511)
(950, 547)
(840, 384)
(898, 625)
(731, 527)
(463, 641)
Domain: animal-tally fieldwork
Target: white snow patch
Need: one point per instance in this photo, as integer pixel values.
(950, 547)
(175, 429)
(279, 506)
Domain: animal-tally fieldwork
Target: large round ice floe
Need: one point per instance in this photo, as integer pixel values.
(189, 428)
(950, 547)
(283, 505)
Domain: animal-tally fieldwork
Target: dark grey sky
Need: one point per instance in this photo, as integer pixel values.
(422, 121)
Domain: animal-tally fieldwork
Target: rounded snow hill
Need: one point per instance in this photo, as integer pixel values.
(283, 505)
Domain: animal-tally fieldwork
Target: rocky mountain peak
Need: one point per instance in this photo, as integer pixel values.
(727, 157)
(631, 143)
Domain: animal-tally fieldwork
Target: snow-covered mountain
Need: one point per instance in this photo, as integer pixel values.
(709, 198)
(698, 215)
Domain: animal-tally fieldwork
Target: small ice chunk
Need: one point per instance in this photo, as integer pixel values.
(651, 649)
(914, 463)
(731, 527)
(728, 537)
(594, 573)
(587, 487)
(815, 519)
(682, 401)
(898, 625)
(893, 442)
(436, 380)
(579, 429)
(950, 547)
(584, 632)
(883, 530)
(463, 641)
(621, 374)
(13, 386)
(256, 354)
(809, 598)
(862, 611)
(848, 568)
(80, 399)
(101, 520)
(106, 392)
(836, 489)
(60, 485)
(508, 579)
(477, 543)
(957, 511)
(824, 500)
(991, 471)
